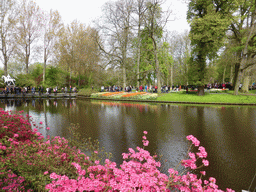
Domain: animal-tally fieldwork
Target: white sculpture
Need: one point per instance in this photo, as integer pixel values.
(8, 80)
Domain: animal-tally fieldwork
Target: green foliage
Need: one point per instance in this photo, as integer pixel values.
(25, 80)
(55, 77)
(36, 70)
(87, 91)
(1, 72)
(209, 21)
(165, 60)
(1, 80)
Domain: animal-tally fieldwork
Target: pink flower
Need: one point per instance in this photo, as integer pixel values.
(38, 133)
(54, 176)
(145, 132)
(194, 140)
(205, 162)
(172, 171)
(145, 142)
(35, 129)
(15, 135)
(203, 172)
(46, 172)
(192, 155)
(97, 162)
(76, 165)
(4, 147)
(10, 139)
(40, 122)
(96, 152)
(212, 179)
(48, 128)
(125, 155)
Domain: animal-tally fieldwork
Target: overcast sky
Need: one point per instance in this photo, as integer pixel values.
(85, 11)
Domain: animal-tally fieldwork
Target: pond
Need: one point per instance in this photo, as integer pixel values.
(228, 133)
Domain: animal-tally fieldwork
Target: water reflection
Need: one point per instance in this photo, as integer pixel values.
(228, 133)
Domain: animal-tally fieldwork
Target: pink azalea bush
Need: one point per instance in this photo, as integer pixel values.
(30, 163)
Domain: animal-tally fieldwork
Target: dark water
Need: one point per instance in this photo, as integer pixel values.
(227, 133)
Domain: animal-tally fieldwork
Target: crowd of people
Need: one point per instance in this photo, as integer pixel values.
(142, 88)
(40, 90)
(164, 88)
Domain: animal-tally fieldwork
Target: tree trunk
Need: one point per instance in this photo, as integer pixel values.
(224, 73)
(70, 76)
(27, 59)
(5, 68)
(171, 75)
(44, 71)
(236, 82)
(246, 80)
(243, 60)
(124, 76)
(239, 68)
(231, 75)
(138, 59)
(200, 91)
(158, 76)
(138, 68)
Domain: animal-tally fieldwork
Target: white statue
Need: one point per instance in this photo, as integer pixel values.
(8, 80)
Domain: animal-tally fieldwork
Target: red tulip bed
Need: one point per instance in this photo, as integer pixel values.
(30, 162)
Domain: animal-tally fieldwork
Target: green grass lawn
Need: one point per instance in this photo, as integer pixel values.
(208, 97)
(225, 97)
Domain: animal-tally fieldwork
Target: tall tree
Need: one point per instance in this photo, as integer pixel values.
(65, 54)
(76, 51)
(117, 31)
(28, 30)
(51, 27)
(139, 11)
(8, 18)
(209, 21)
(243, 29)
(154, 24)
(181, 51)
(165, 62)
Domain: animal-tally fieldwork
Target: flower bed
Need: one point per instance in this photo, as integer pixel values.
(111, 93)
(133, 94)
(126, 95)
(30, 163)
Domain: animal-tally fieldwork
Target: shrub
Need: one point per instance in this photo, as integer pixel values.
(28, 162)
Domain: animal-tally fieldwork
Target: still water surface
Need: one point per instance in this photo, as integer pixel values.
(227, 133)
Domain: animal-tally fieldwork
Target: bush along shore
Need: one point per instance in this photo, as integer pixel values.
(30, 162)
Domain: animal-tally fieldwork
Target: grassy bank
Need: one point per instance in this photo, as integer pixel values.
(208, 98)
(220, 97)
(87, 91)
